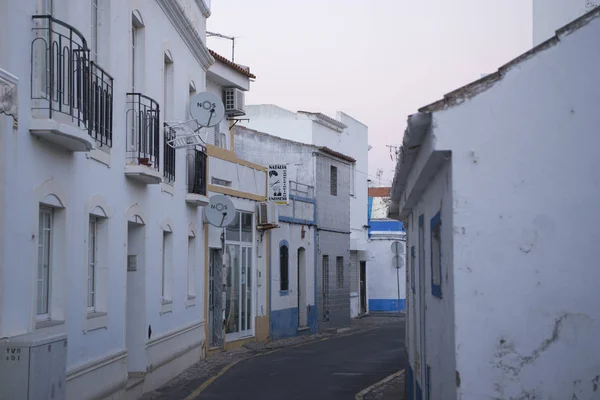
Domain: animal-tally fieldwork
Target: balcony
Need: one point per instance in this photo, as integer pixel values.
(143, 135)
(72, 97)
(169, 155)
(196, 177)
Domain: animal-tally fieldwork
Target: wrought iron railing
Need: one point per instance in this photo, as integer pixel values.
(65, 81)
(197, 171)
(301, 189)
(169, 154)
(101, 105)
(143, 130)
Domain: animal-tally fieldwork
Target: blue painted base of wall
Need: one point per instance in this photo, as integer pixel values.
(284, 323)
(387, 305)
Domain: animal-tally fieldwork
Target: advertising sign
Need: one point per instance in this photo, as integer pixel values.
(278, 184)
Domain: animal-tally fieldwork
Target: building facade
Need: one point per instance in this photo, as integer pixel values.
(343, 134)
(293, 247)
(246, 276)
(551, 15)
(385, 277)
(303, 278)
(487, 238)
(106, 237)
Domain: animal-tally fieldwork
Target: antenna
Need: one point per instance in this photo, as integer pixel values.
(232, 38)
(379, 174)
(394, 151)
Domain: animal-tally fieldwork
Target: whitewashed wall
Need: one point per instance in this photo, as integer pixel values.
(551, 15)
(522, 260)
(95, 361)
(386, 285)
(280, 122)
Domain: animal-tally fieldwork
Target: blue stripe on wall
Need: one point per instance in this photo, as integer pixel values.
(284, 323)
(387, 225)
(387, 304)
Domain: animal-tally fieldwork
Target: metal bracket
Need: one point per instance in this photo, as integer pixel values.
(236, 121)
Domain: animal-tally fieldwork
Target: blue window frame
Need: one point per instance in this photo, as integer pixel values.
(413, 255)
(436, 255)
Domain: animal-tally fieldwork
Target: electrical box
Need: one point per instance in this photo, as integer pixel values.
(33, 367)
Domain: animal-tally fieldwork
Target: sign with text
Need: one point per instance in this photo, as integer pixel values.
(278, 184)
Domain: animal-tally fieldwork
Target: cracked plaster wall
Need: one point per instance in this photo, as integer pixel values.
(526, 192)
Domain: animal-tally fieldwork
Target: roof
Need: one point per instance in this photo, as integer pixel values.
(472, 89)
(336, 154)
(237, 67)
(324, 149)
(379, 191)
(326, 118)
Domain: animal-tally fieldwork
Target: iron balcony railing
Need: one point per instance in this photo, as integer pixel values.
(197, 171)
(143, 130)
(302, 189)
(169, 154)
(65, 81)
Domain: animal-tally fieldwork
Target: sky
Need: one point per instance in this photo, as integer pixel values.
(376, 60)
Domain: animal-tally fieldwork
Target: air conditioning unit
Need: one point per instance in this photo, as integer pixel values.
(267, 214)
(234, 102)
(33, 366)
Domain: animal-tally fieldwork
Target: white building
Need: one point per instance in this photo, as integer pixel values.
(550, 15)
(246, 276)
(102, 240)
(343, 134)
(385, 278)
(498, 188)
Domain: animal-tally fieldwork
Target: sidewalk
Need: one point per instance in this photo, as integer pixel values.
(390, 388)
(205, 371)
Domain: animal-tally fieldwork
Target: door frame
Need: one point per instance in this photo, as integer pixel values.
(302, 287)
(422, 308)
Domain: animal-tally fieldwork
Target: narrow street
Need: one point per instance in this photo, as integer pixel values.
(336, 368)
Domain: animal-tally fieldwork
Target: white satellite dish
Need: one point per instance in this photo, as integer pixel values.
(207, 109)
(220, 211)
(397, 248)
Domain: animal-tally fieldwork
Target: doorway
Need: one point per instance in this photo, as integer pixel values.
(215, 298)
(422, 309)
(302, 309)
(135, 321)
(363, 287)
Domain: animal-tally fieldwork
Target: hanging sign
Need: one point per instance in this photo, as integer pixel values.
(278, 184)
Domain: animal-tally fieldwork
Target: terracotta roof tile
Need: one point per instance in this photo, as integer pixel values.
(237, 67)
(336, 154)
(379, 191)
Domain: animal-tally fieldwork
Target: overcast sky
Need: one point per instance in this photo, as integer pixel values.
(377, 60)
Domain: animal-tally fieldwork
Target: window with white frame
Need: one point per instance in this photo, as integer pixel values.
(44, 271)
(191, 275)
(167, 266)
(168, 78)
(333, 178)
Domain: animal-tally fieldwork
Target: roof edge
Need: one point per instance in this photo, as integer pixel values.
(236, 67)
(474, 88)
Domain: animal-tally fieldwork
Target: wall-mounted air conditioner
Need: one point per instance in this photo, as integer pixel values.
(33, 366)
(267, 214)
(234, 102)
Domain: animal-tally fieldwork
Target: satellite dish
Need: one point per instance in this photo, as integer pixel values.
(207, 109)
(397, 248)
(397, 262)
(220, 211)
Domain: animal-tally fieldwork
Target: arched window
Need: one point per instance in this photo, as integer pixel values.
(284, 276)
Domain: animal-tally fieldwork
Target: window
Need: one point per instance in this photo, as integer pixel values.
(45, 238)
(284, 278)
(92, 263)
(333, 178)
(94, 35)
(436, 256)
(353, 180)
(167, 108)
(421, 249)
(167, 261)
(339, 268)
(46, 7)
(238, 302)
(325, 288)
(191, 275)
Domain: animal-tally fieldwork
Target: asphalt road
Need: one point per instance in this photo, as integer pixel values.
(332, 369)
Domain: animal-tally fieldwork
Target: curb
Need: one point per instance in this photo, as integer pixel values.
(362, 393)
